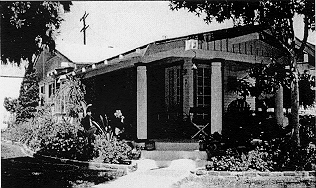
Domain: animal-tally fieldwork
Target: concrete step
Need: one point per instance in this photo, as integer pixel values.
(176, 146)
(179, 164)
(158, 155)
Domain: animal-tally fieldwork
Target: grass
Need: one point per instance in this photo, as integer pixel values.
(207, 181)
(18, 170)
(10, 151)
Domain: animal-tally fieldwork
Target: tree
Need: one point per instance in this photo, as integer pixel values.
(277, 16)
(70, 96)
(10, 104)
(25, 25)
(28, 99)
(26, 29)
(306, 94)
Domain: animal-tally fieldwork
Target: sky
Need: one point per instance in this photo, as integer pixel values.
(126, 25)
(119, 26)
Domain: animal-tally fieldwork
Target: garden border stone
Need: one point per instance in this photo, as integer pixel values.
(125, 169)
(122, 169)
(237, 178)
(285, 174)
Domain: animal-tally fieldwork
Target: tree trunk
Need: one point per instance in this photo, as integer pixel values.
(279, 106)
(295, 103)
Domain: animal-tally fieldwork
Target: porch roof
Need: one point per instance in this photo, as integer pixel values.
(175, 48)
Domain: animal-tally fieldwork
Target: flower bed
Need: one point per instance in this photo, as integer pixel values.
(216, 179)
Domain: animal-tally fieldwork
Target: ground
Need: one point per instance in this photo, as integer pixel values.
(19, 170)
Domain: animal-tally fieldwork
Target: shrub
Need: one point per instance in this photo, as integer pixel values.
(29, 96)
(233, 161)
(68, 146)
(112, 151)
(308, 129)
(65, 137)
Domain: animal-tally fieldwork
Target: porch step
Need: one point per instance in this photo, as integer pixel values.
(177, 159)
(176, 146)
(179, 164)
(173, 155)
(177, 154)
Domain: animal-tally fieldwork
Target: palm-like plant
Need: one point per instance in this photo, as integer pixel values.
(85, 107)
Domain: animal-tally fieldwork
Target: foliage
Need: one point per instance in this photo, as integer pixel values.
(277, 17)
(28, 98)
(233, 161)
(24, 22)
(267, 79)
(273, 150)
(112, 151)
(308, 129)
(68, 146)
(10, 104)
(64, 136)
(306, 94)
(72, 92)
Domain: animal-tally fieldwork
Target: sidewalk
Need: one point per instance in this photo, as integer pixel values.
(152, 177)
(157, 178)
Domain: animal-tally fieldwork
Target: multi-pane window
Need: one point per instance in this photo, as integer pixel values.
(173, 87)
(60, 104)
(203, 90)
(60, 99)
(51, 89)
(42, 89)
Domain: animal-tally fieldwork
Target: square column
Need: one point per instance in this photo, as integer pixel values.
(187, 86)
(141, 102)
(216, 97)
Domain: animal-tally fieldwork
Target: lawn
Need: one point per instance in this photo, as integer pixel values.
(19, 170)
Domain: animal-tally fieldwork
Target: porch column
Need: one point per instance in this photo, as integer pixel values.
(279, 106)
(187, 86)
(141, 102)
(216, 97)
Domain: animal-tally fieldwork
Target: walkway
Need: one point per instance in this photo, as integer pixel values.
(158, 178)
(151, 177)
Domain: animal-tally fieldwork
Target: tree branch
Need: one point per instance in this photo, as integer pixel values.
(305, 34)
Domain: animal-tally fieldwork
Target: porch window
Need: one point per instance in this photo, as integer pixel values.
(60, 104)
(203, 90)
(60, 99)
(51, 89)
(42, 89)
(173, 83)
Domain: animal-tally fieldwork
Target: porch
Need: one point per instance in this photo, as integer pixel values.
(167, 151)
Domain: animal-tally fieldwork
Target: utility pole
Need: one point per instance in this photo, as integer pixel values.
(84, 26)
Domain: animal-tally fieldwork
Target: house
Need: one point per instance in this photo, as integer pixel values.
(158, 86)
(51, 68)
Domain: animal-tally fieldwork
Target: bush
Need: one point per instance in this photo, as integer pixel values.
(233, 161)
(64, 137)
(68, 146)
(112, 151)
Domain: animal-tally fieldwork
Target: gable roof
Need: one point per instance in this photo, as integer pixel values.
(127, 59)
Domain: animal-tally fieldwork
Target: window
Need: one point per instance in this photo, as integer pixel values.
(173, 84)
(42, 89)
(60, 100)
(60, 104)
(203, 90)
(51, 89)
